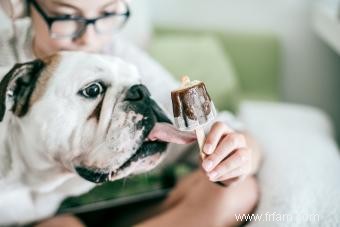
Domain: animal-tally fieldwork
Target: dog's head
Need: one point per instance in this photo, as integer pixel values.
(86, 112)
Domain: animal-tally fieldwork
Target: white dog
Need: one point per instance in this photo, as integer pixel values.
(68, 122)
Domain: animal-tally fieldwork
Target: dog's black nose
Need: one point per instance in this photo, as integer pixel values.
(137, 93)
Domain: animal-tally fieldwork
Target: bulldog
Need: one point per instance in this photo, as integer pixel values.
(69, 122)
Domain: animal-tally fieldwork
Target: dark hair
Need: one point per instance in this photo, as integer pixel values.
(27, 8)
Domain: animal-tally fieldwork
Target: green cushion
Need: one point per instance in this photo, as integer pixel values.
(201, 57)
(256, 58)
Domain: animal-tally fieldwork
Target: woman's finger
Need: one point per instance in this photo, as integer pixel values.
(241, 157)
(228, 144)
(218, 130)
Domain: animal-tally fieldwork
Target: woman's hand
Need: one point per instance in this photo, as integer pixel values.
(228, 156)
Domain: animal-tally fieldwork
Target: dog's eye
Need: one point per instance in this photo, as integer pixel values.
(92, 90)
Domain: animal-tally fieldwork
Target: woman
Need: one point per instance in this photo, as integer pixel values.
(232, 157)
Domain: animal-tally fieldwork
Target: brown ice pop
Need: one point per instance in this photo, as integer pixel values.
(192, 108)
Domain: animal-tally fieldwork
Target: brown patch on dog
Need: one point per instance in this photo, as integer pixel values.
(51, 64)
(96, 112)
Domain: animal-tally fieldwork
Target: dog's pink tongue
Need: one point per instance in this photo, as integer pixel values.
(168, 133)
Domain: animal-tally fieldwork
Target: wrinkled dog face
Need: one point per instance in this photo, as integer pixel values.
(89, 114)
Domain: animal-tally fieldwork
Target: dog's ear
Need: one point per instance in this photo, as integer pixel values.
(17, 86)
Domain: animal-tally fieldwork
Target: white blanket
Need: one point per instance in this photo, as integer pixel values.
(300, 173)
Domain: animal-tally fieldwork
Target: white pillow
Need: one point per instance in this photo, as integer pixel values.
(300, 173)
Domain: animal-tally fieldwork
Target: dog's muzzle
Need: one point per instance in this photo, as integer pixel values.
(139, 101)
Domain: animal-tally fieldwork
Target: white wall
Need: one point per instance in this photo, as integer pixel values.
(311, 70)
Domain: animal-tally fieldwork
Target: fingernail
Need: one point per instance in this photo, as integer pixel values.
(207, 148)
(212, 175)
(207, 164)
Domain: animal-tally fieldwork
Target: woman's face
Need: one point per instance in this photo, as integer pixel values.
(89, 40)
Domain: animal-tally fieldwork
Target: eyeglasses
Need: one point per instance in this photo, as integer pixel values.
(68, 26)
